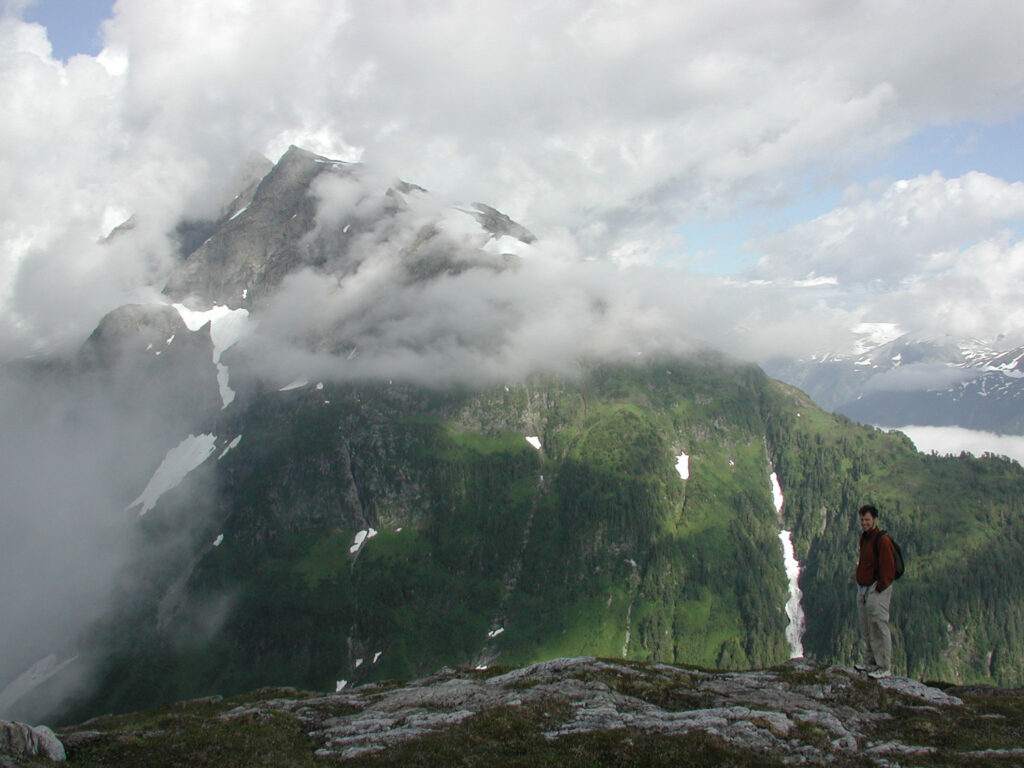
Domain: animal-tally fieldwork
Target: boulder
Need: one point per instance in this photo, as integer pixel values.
(20, 740)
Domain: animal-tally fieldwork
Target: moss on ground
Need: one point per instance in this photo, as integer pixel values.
(983, 724)
(675, 693)
(188, 739)
(514, 736)
(261, 729)
(199, 733)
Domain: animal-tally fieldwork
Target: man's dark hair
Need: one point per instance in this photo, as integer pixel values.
(868, 509)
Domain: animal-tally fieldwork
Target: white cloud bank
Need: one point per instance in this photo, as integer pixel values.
(934, 255)
(619, 121)
(954, 440)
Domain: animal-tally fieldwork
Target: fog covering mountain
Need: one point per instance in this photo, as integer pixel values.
(910, 381)
(369, 433)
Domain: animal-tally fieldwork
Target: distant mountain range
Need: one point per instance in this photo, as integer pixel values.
(906, 381)
(303, 504)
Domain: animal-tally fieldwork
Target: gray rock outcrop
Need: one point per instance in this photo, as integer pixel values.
(18, 740)
(797, 713)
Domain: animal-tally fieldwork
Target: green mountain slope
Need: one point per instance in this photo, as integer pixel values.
(481, 549)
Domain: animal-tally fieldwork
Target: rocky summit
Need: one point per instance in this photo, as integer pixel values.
(576, 711)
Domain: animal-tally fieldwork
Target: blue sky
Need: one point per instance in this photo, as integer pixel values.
(952, 150)
(73, 26)
(861, 159)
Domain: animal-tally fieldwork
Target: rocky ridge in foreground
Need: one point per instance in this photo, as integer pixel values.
(578, 711)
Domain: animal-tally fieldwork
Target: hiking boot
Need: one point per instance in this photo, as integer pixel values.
(878, 674)
(865, 667)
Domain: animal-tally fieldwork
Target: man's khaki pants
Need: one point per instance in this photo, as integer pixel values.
(873, 618)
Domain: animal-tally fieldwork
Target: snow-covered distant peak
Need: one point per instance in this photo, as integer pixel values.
(873, 335)
(499, 246)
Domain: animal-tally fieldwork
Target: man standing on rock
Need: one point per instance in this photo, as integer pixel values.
(876, 571)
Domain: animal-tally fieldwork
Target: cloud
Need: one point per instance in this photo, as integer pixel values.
(937, 256)
(617, 121)
(954, 440)
(425, 293)
(76, 451)
(918, 377)
(916, 227)
(977, 296)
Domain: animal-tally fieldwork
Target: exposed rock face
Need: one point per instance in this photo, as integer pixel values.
(794, 714)
(136, 331)
(499, 225)
(23, 741)
(144, 354)
(763, 711)
(258, 244)
(327, 215)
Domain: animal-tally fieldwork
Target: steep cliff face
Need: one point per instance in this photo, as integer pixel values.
(311, 212)
(256, 245)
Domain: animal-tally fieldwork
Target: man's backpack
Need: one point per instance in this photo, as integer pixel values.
(897, 553)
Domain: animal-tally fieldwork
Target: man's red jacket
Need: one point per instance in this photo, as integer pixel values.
(870, 570)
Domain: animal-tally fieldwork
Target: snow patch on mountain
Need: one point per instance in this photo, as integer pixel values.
(361, 538)
(179, 461)
(506, 244)
(227, 326)
(31, 679)
(233, 444)
(794, 605)
(683, 466)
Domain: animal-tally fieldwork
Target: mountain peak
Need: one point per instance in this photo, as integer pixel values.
(249, 251)
(310, 211)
